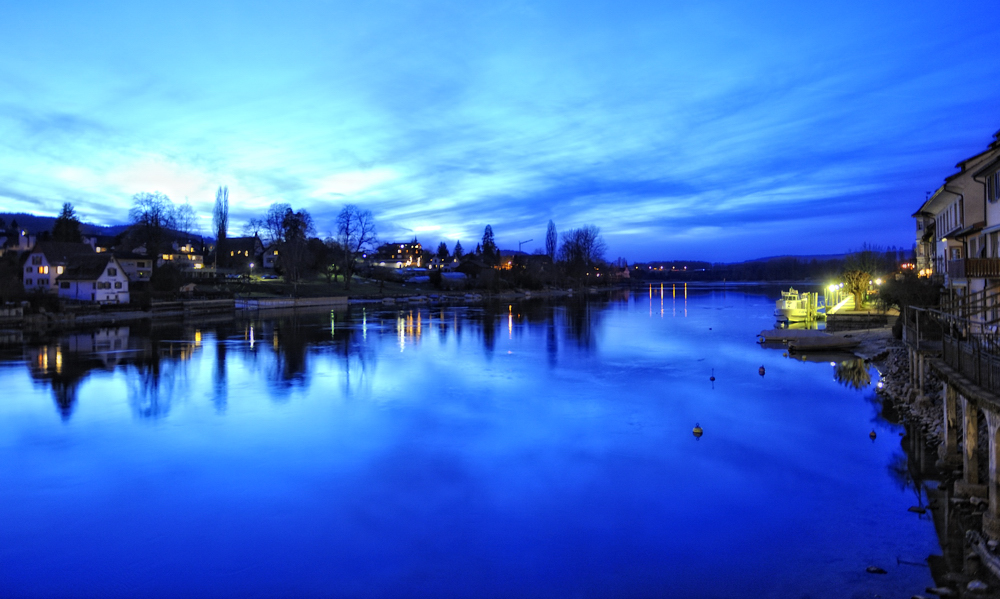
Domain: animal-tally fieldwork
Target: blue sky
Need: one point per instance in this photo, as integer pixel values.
(702, 130)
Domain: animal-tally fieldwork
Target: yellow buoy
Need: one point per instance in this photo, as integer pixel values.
(872, 435)
(697, 430)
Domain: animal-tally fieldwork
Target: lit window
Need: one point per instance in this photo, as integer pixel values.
(43, 270)
(60, 269)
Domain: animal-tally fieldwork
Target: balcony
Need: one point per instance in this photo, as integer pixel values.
(981, 268)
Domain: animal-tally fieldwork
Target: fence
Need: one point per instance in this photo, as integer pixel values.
(967, 346)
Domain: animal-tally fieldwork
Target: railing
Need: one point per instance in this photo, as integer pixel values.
(967, 346)
(974, 267)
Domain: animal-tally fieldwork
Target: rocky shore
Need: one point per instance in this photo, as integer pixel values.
(971, 565)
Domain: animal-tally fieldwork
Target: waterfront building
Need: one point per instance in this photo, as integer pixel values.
(49, 259)
(96, 278)
(958, 228)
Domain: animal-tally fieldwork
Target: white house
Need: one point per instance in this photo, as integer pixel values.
(97, 278)
(49, 259)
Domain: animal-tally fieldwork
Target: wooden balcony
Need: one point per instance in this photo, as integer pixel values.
(978, 268)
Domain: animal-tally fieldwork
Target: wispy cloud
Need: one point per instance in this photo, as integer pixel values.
(713, 130)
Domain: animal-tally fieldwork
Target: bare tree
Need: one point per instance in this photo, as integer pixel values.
(862, 267)
(551, 240)
(274, 222)
(583, 246)
(356, 233)
(185, 218)
(254, 227)
(152, 214)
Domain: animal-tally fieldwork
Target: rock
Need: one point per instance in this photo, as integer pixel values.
(977, 586)
(874, 570)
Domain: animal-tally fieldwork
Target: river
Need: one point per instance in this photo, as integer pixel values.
(534, 449)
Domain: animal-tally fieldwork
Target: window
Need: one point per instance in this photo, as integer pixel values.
(60, 269)
(118, 284)
(140, 264)
(27, 269)
(64, 284)
(27, 281)
(36, 259)
(112, 272)
(43, 270)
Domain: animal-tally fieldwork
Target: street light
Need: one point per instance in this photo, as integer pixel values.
(251, 271)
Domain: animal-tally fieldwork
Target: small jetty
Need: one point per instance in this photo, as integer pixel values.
(799, 340)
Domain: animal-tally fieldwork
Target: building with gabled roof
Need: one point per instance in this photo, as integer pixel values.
(95, 278)
(49, 259)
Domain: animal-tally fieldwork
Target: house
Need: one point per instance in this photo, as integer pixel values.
(400, 255)
(444, 264)
(15, 239)
(238, 253)
(48, 260)
(955, 227)
(184, 253)
(100, 243)
(138, 268)
(95, 278)
(270, 257)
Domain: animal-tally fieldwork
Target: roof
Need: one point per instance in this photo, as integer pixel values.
(86, 268)
(61, 252)
(242, 243)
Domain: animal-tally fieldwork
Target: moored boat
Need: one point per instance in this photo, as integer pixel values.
(798, 307)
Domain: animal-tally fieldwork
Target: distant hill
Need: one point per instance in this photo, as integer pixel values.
(816, 257)
(37, 224)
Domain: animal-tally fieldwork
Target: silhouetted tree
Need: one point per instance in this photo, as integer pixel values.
(184, 218)
(293, 252)
(458, 250)
(152, 215)
(356, 233)
(551, 240)
(67, 225)
(442, 252)
(583, 247)
(274, 222)
(489, 247)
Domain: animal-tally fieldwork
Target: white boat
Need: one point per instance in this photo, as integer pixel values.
(798, 307)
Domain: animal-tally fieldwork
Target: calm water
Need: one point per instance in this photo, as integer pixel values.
(536, 450)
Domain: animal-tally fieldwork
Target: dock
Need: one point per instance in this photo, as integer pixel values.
(807, 340)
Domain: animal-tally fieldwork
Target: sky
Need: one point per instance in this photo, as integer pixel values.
(704, 130)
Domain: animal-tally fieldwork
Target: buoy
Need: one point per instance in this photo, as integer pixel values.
(712, 378)
(697, 431)
(872, 435)
(760, 371)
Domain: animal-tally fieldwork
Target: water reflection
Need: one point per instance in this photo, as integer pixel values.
(853, 373)
(426, 445)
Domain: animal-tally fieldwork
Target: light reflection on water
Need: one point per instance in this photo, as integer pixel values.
(526, 449)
